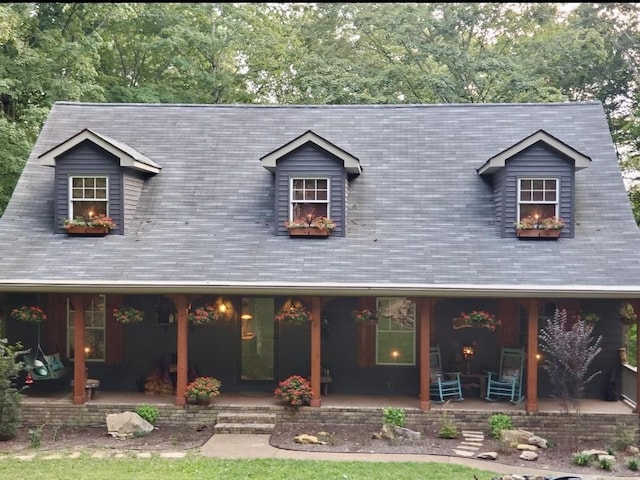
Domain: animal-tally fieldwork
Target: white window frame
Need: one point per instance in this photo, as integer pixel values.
(555, 203)
(293, 201)
(73, 199)
(95, 321)
(403, 322)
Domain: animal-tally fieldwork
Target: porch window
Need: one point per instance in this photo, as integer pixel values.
(94, 333)
(396, 332)
(309, 197)
(88, 196)
(538, 197)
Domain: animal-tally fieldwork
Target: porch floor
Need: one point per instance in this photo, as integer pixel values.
(333, 401)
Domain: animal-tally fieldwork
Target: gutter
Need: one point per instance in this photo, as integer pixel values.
(324, 289)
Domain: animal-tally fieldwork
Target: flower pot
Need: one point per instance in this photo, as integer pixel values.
(203, 399)
(192, 400)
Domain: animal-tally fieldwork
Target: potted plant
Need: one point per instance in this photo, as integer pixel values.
(310, 226)
(128, 315)
(293, 313)
(365, 315)
(533, 226)
(477, 318)
(203, 315)
(627, 314)
(202, 389)
(295, 390)
(32, 314)
(96, 225)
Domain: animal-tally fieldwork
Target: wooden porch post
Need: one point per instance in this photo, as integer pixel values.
(636, 309)
(316, 311)
(79, 364)
(182, 305)
(532, 357)
(426, 307)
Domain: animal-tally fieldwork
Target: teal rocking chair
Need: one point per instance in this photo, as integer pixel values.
(507, 383)
(442, 386)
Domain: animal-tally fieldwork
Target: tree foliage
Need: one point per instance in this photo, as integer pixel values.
(313, 53)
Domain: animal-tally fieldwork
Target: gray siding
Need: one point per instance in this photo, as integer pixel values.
(87, 159)
(132, 184)
(310, 161)
(538, 161)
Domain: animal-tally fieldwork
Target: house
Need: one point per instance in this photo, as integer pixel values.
(423, 200)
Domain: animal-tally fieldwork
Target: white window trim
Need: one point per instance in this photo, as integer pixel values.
(520, 202)
(323, 202)
(70, 193)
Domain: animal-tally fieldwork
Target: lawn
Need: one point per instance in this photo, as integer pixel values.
(89, 468)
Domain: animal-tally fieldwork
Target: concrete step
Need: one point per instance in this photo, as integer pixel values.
(245, 428)
(245, 422)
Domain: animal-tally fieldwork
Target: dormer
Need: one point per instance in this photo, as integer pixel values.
(535, 177)
(311, 180)
(95, 175)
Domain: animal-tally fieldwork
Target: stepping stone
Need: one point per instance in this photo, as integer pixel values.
(466, 447)
(173, 455)
(472, 432)
(463, 453)
(472, 444)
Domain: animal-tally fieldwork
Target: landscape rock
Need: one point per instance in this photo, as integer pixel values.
(127, 424)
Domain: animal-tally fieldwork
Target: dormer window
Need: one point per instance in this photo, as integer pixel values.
(88, 196)
(538, 197)
(309, 198)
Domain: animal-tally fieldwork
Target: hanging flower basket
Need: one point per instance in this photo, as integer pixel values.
(128, 315)
(32, 314)
(477, 318)
(204, 315)
(293, 313)
(627, 315)
(365, 315)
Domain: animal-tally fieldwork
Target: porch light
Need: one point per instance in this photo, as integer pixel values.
(468, 353)
(87, 350)
(247, 330)
(224, 307)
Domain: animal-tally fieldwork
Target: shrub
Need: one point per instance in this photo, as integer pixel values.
(448, 428)
(581, 459)
(295, 390)
(571, 350)
(148, 412)
(632, 464)
(605, 464)
(10, 396)
(498, 423)
(394, 416)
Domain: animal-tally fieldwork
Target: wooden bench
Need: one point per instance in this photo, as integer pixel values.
(90, 387)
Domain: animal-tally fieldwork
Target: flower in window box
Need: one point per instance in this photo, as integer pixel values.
(293, 313)
(480, 318)
(531, 222)
(365, 315)
(203, 315)
(100, 220)
(322, 223)
(32, 314)
(128, 315)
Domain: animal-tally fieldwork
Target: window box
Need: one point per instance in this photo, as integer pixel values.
(309, 232)
(539, 233)
(88, 231)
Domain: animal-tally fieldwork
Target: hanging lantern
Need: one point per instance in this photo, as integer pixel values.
(29, 379)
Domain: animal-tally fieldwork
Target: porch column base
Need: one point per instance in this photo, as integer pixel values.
(78, 400)
(315, 402)
(425, 404)
(531, 407)
(181, 401)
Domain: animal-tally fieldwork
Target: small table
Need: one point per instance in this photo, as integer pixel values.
(324, 385)
(90, 387)
(475, 380)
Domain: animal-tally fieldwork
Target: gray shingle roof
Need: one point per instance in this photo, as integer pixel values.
(419, 218)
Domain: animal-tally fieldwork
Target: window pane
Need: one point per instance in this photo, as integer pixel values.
(395, 331)
(538, 184)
